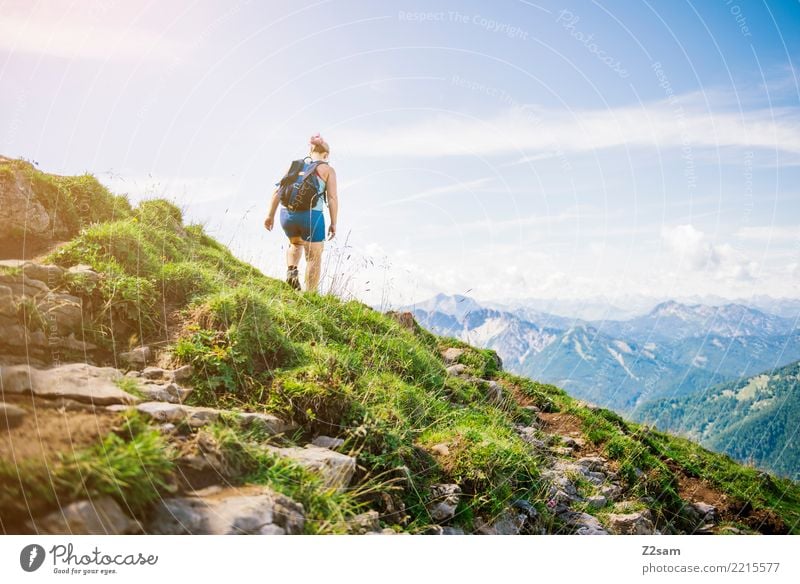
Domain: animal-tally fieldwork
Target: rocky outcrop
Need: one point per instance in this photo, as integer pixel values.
(197, 416)
(36, 319)
(251, 510)
(444, 502)
(76, 381)
(22, 212)
(636, 523)
(101, 516)
(336, 469)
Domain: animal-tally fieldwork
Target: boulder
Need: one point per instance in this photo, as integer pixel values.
(328, 442)
(336, 469)
(20, 209)
(102, 516)
(583, 523)
(8, 306)
(157, 373)
(367, 522)
(266, 422)
(250, 510)
(183, 373)
(612, 492)
(78, 381)
(137, 358)
(707, 513)
(457, 369)
(51, 274)
(176, 413)
(84, 271)
(11, 416)
(592, 463)
(405, 319)
(636, 523)
(444, 502)
(509, 522)
(62, 310)
(452, 355)
(596, 501)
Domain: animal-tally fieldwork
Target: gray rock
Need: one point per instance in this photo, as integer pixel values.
(611, 492)
(157, 373)
(251, 510)
(78, 381)
(266, 422)
(20, 207)
(708, 513)
(11, 416)
(452, 355)
(596, 501)
(367, 522)
(336, 469)
(102, 516)
(8, 306)
(583, 523)
(51, 274)
(328, 442)
(158, 393)
(137, 358)
(177, 413)
(509, 522)
(456, 369)
(444, 502)
(183, 373)
(84, 271)
(446, 530)
(636, 523)
(592, 463)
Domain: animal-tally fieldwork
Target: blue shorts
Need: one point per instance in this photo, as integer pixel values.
(308, 225)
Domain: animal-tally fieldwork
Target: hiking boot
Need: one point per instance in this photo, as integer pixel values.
(293, 277)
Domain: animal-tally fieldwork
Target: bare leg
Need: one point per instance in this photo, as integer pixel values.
(313, 264)
(295, 251)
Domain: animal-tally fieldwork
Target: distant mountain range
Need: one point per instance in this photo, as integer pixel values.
(755, 419)
(672, 350)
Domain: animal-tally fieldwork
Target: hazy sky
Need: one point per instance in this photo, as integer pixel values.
(508, 149)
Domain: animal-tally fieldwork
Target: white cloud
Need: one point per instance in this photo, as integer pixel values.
(658, 124)
(696, 252)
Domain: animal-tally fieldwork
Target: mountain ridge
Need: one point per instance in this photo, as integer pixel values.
(176, 389)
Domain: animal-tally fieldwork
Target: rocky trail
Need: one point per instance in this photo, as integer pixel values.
(51, 409)
(151, 382)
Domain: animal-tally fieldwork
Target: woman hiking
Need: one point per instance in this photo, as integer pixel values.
(301, 193)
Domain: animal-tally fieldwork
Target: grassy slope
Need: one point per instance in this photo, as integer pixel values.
(343, 369)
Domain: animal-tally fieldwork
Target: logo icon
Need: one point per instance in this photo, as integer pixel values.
(31, 557)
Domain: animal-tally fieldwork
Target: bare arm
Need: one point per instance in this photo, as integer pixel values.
(273, 208)
(333, 202)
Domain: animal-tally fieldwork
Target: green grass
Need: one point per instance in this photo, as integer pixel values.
(327, 510)
(334, 367)
(132, 464)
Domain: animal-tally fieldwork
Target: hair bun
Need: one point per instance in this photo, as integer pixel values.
(317, 140)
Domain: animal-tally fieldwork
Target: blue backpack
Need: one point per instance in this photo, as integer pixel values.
(299, 188)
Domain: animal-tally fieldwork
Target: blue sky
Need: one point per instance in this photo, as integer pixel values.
(506, 149)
